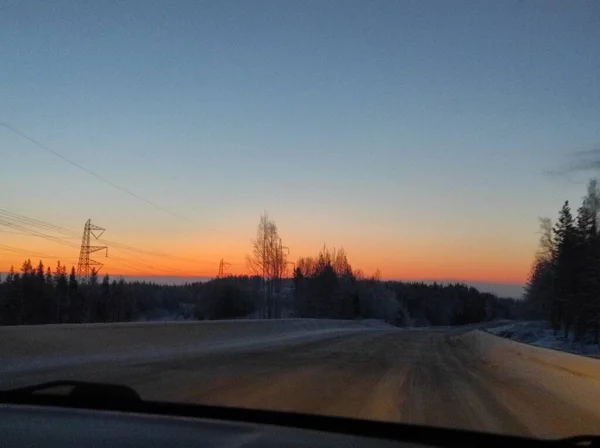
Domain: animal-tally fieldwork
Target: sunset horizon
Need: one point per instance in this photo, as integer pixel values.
(156, 263)
(376, 219)
(426, 158)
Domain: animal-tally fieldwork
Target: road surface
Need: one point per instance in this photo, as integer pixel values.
(440, 378)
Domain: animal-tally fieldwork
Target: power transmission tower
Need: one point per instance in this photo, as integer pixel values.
(222, 266)
(86, 265)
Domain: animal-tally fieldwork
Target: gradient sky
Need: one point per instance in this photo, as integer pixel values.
(415, 134)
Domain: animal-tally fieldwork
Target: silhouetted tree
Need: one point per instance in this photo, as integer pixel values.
(566, 238)
(75, 300)
(103, 304)
(565, 279)
(62, 292)
(324, 286)
(268, 260)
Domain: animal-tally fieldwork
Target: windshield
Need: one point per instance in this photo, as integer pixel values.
(373, 209)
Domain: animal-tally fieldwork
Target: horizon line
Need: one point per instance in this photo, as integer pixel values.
(383, 278)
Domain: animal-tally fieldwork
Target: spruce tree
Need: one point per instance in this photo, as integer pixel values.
(565, 236)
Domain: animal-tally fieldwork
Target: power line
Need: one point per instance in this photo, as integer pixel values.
(154, 269)
(129, 248)
(86, 266)
(93, 173)
(136, 265)
(17, 221)
(223, 265)
(105, 180)
(37, 223)
(13, 232)
(12, 249)
(136, 268)
(37, 234)
(25, 220)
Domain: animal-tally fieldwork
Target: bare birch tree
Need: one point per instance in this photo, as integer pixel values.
(268, 259)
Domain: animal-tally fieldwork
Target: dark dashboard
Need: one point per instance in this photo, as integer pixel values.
(28, 426)
(108, 415)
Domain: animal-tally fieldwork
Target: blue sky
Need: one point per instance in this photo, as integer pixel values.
(389, 128)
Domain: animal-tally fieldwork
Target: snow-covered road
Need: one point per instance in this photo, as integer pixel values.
(456, 378)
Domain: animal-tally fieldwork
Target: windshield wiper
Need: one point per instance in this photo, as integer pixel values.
(101, 396)
(80, 394)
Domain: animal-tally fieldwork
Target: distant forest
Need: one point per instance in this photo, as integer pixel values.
(564, 284)
(321, 287)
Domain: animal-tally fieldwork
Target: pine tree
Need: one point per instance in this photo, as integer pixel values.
(26, 292)
(38, 301)
(588, 264)
(12, 313)
(27, 267)
(566, 238)
(539, 291)
(102, 312)
(592, 202)
(39, 272)
(74, 299)
(73, 285)
(49, 279)
(583, 276)
(91, 298)
(62, 291)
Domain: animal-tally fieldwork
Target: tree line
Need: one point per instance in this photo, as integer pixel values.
(564, 283)
(35, 295)
(323, 286)
(327, 286)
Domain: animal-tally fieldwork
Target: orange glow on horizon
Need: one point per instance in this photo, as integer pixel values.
(513, 274)
(426, 259)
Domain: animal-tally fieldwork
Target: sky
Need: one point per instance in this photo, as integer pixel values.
(420, 136)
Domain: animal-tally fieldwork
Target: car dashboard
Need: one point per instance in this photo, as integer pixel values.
(28, 426)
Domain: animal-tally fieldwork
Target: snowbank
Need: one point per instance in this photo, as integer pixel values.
(28, 348)
(568, 377)
(508, 355)
(539, 334)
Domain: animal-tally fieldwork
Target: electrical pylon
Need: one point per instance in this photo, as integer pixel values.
(222, 266)
(86, 265)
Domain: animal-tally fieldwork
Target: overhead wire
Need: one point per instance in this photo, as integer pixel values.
(98, 176)
(6, 248)
(38, 234)
(113, 244)
(135, 268)
(13, 232)
(151, 253)
(30, 225)
(37, 223)
(25, 220)
(155, 270)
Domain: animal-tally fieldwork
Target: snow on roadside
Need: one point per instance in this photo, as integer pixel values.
(30, 348)
(377, 323)
(539, 334)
